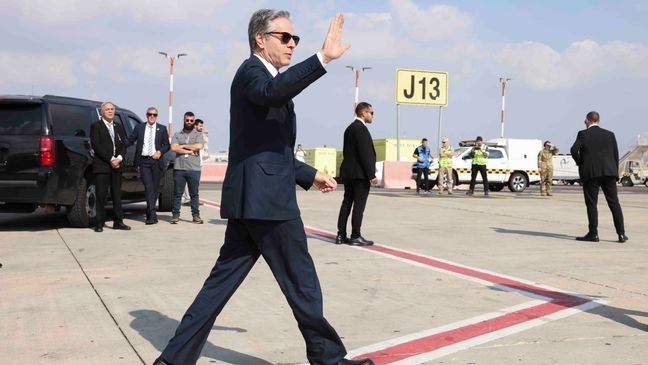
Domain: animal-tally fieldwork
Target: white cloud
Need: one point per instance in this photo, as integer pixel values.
(68, 11)
(202, 60)
(438, 22)
(372, 36)
(545, 68)
(378, 91)
(36, 69)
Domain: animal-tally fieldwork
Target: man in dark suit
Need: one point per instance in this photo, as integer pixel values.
(108, 143)
(259, 198)
(152, 143)
(597, 156)
(358, 172)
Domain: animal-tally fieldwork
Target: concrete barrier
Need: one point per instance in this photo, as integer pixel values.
(213, 172)
(397, 175)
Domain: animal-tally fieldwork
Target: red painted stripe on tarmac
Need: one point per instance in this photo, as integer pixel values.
(443, 339)
(558, 302)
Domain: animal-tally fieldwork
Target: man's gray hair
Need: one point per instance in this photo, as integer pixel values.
(261, 22)
(106, 103)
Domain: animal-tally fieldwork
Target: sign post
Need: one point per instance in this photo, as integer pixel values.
(420, 87)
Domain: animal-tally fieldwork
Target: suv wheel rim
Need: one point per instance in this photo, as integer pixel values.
(518, 183)
(91, 201)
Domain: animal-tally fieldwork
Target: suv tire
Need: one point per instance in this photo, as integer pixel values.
(84, 210)
(166, 194)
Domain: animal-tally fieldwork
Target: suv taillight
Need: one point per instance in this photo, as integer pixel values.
(47, 152)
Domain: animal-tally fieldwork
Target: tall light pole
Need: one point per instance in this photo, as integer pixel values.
(503, 81)
(171, 62)
(357, 72)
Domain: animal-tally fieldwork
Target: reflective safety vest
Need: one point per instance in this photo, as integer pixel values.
(445, 161)
(479, 157)
(425, 154)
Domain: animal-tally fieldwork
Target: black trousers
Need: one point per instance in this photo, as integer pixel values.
(283, 246)
(356, 192)
(474, 169)
(150, 173)
(426, 173)
(591, 191)
(113, 180)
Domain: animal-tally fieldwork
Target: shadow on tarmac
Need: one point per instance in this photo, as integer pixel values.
(622, 316)
(619, 315)
(157, 328)
(532, 233)
(44, 221)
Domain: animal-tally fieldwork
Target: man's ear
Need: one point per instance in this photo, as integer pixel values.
(260, 40)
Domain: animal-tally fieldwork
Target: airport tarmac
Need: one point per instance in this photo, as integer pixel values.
(450, 280)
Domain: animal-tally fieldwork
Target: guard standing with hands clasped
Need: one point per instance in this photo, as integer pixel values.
(445, 166)
(545, 165)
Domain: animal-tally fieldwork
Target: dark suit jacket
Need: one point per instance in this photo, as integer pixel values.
(359, 160)
(102, 145)
(262, 170)
(161, 141)
(596, 153)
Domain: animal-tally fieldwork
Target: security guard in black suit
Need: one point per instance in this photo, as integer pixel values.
(259, 198)
(596, 153)
(108, 143)
(151, 143)
(358, 172)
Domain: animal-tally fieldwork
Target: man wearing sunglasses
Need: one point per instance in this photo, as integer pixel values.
(152, 143)
(259, 198)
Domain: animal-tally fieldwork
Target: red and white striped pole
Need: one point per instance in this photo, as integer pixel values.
(503, 82)
(357, 72)
(171, 63)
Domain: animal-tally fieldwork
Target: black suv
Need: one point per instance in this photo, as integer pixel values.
(46, 159)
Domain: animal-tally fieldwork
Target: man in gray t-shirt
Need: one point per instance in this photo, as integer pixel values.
(186, 170)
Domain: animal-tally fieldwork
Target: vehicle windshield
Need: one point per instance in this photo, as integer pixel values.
(20, 119)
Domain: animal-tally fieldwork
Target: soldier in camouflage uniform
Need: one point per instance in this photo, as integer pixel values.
(545, 165)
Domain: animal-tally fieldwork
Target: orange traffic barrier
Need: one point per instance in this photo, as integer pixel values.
(397, 175)
(213, 172)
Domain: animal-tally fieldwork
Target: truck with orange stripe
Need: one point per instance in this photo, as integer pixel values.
(512, 162)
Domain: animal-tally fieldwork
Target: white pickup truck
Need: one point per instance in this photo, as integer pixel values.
(511, 162)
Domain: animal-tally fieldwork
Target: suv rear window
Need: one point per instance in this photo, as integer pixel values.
(72, 120)
(20, 119)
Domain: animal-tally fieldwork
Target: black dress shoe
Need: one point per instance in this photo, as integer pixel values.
(98, 228)
(354, 362)
(121, 225)
(622, 238)
(588, 237)
(161, 361)
(360, 241)
(151, 221)
(341, 238)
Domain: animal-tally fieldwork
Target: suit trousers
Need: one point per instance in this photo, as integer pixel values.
(150, 173)
(356, 192)
(113, 180)
(591, 190)
(284, 247)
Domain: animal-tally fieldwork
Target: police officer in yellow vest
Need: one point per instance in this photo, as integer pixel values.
(479, 160)
(445, 166)
(545, 165)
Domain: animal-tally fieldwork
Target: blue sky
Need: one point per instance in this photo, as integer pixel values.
(565, 58)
